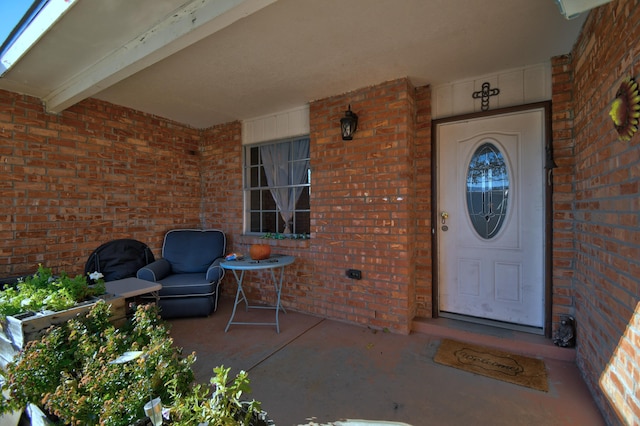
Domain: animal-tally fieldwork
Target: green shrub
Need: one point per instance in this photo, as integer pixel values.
(69, 370)
(222, 406)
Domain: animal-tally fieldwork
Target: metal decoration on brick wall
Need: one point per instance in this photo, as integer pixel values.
(625, 109)
(485, 94)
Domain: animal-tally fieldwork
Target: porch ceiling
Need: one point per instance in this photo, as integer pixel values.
(206, 62)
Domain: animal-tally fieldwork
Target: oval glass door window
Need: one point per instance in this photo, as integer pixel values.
(487, 190)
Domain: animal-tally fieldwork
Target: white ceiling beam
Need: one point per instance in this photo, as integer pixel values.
(190, 24)
(571, 9)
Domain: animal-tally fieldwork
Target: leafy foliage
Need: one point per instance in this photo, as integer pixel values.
(279, 236)
(224, 407)
(69, 370)
(43, 290)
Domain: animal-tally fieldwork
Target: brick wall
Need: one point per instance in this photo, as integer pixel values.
(221, 179)
(362, 215)
(606, 214)
(94, 173)
(563, 250)
(422, 159)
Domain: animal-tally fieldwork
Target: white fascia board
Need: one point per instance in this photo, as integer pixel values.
(190, 24)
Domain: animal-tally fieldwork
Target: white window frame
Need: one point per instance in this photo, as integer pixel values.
(263, 188)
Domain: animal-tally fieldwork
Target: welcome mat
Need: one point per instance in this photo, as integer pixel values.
(517, 369)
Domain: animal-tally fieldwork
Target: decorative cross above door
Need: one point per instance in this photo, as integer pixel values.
(485, 94)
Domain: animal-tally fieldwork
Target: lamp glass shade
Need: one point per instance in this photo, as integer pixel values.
(348, 124)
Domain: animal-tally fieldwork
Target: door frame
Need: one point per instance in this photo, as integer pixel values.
(548, 196)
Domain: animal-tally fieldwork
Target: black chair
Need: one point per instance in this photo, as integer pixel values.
(118, 259)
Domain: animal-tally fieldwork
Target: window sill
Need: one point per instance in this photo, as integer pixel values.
(274, 242)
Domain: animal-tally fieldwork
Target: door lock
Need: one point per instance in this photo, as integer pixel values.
(444, 216)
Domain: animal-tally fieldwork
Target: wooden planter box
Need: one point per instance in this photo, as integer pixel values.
(17, 330)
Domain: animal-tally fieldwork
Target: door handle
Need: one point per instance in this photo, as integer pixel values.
(444, 216)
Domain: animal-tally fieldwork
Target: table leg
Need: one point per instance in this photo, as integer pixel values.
(240, 297)
(238, 293)
(278, 286)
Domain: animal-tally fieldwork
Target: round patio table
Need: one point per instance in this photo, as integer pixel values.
(274, 262)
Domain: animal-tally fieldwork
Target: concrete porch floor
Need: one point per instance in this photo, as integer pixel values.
(318, 371)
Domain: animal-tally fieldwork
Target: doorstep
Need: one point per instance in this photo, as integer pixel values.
(507, 340)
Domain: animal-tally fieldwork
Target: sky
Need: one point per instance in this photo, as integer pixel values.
(11, 11)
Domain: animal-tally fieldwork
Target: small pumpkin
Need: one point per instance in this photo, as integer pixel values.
(260, 251)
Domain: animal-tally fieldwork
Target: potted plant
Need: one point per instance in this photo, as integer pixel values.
(32, 304)
(44, 291)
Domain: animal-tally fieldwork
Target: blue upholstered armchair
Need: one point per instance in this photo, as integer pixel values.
(189, 271)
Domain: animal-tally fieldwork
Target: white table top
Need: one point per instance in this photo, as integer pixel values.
(131, 287)
(275, 261)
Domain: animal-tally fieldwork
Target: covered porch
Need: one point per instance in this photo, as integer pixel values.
(318, 370)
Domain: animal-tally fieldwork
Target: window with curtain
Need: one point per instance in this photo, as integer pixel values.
(277, 187)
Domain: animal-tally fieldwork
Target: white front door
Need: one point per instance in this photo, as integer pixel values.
(490, 228)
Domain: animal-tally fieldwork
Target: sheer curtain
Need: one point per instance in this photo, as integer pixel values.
(286, 164)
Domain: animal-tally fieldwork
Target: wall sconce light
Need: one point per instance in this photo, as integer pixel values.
(348, 124)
